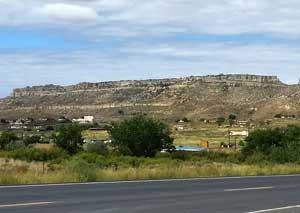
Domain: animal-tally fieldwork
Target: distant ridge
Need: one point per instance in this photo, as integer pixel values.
(255, 80)
(249, 96)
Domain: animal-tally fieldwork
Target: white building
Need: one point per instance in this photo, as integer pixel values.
(239, 133)
(84, 120)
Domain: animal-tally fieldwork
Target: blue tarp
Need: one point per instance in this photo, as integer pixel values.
(190, 149)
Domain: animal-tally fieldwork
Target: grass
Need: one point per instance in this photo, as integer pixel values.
(91, 168)
(186, 138)
(161, 172)
(19, 172)
(284, 122)
(95, 135)
(195, 134)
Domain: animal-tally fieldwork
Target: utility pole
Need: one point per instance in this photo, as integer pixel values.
(229, 138)
(235, 144)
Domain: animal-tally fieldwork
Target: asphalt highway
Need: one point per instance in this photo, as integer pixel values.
(228, 195)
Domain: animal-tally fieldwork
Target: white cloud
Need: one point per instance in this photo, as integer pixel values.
(146, 61)
(278, 17)
(67, 13)
(146, 57)
(112, 5)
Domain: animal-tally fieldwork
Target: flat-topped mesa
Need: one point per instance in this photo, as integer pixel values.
(250, 80)
(231, 80)
(38, 90)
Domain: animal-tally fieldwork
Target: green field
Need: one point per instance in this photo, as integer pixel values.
(194, 133)
(190, 137)
(196, 137)
(95, 135)
(284, 122)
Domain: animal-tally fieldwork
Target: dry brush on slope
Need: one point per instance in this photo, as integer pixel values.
(248, 96)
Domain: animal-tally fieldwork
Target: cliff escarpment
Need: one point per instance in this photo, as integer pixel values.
(248, 96)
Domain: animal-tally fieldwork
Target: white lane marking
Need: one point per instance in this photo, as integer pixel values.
(25, 204)
(249, 189)
(276, 209)
(145, 181)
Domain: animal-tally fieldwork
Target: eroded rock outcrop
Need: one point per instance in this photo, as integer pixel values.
(196, 96)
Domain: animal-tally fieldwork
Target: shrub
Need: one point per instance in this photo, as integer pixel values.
(141, 136)
(32, 139)
(291, 134)
(290, 153)
(91, 158)
(7, 138)
(223, 144)
(15, 145)
(98, 147)
(256, 158)
(220, 120)
(278, 145)
(69, 138)
(241, 143)
(49, 128)
(84, 171)
(185, 119)
(126, 162)
(180, 155)
(32, 154)
(279, 155)
(263, 141)
(121, 112)
(232, 118)
(220, 156)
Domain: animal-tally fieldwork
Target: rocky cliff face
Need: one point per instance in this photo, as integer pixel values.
(249, 96)
(48, 90)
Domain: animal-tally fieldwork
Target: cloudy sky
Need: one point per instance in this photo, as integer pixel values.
(70, 41)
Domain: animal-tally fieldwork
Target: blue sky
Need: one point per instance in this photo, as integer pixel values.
(67, 42)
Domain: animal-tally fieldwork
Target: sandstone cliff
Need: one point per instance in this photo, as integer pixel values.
(249, 96)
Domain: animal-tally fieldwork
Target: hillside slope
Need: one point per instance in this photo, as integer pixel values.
(248, 96)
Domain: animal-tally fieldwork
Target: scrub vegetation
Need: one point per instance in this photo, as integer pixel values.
(134, 154)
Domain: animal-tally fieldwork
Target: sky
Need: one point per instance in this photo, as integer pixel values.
(70, 41)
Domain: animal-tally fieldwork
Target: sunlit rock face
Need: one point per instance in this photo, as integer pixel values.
(248, 96)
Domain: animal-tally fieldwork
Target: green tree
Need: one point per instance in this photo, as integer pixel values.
(263, 140)
(290, 149)
(121, 112)
(7, 138)
(280, 145)
(69, 138)
(231, 119)
(97, 147)
(220, 120)
(18, 144)
(291, 133)
(141, 136)
(32, 139)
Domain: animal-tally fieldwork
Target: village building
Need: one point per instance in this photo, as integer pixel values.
(84, 120)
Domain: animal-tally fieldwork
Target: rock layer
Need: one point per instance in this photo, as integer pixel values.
(248, 96)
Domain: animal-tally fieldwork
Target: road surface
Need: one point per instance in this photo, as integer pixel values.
(228, 195)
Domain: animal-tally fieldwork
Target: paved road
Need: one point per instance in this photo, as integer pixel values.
(228, 195)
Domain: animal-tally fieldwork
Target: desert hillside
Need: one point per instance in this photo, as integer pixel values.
(248, 96)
